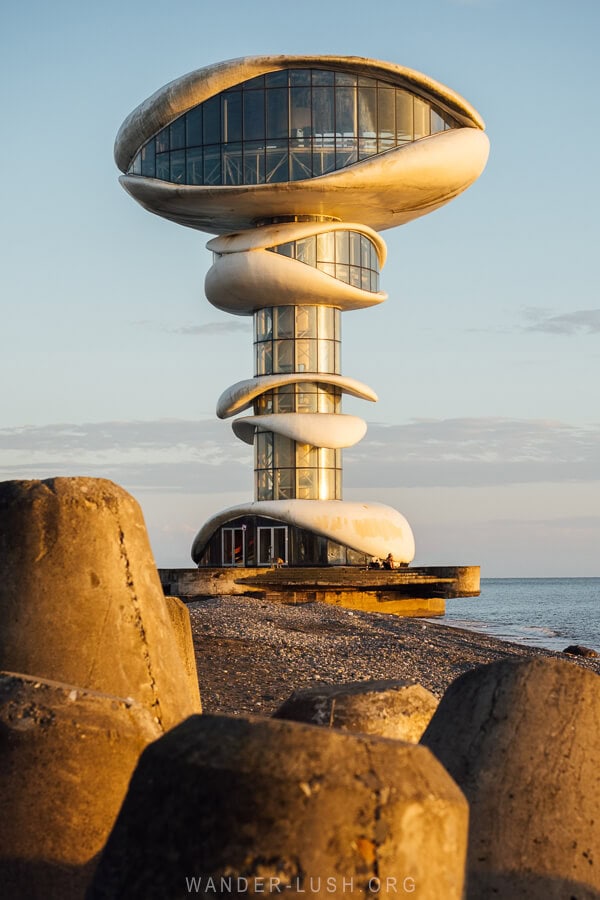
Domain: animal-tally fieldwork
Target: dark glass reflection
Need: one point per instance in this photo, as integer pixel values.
(287, 126)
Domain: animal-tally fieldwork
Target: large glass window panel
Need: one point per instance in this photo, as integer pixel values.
(306, 401)
(193, 166)
(300, 159)
(136, 166)
(148, 160)
(326, 356)
(323, 108)
(345, 111)
(284, 452)
(277, 113)
(367, 112)
(264, 450)
(277, 167)
(367, 147)
(177, 175)
(307, 484)
(374, 257)
(329, 400)
(326, 484)
(212, 165)
(342, 273)
(254, 83)
(421, 111)
(284, 321)
(386, 106)
(342, 247)
(284, 487)
(322, 76)
(162, 166)
(326, 458)
(263, 405)
(177, 133)
(254, 115)
(307, 456)
(264, 358)
(345, 78)
(346, 152)
(326, 322)
(337, 350)
(306, 355)
(365, 279)
(374, 281)
(263, 324)
(355, 276)
(355, 248)
(162, 140)
(232, 164)
(194, 127)
(232, 116)
(327, 268)
(306, 321)
(437, 122)
(404, 117)
(365, 251)
(276, 79)
(284, 400)
(264, 485)
(299, 76)
(300, 112)
(306, 250)
(326, 247)
(254, 162)
(283, 352)
(212, 120)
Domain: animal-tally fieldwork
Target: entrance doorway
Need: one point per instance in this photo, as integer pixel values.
(272, 545)
(233, 546)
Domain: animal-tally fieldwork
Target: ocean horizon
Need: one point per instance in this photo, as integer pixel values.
(538, 612)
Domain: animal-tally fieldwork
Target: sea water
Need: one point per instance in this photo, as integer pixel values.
(541, 612)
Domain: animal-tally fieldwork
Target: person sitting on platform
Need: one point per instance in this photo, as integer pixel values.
(389, 562)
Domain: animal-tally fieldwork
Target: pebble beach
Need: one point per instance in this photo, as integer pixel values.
(251, 654)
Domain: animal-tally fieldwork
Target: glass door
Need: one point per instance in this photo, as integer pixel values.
(233, 546)
(272, 545)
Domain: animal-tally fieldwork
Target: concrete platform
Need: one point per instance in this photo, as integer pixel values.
(411, 591)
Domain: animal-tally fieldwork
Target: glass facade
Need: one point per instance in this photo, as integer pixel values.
(346, 255)
(287, 126)
(288, 470)
(297, 339)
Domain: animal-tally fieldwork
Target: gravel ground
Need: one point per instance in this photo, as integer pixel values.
(251, 654)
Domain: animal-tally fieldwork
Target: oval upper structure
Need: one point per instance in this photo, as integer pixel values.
(259, 138)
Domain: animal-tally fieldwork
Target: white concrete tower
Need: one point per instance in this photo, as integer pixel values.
(297, 163)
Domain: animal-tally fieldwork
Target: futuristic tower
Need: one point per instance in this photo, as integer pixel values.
(297, 163)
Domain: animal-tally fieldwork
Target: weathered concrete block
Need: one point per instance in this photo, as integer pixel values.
(66, 756)
(182, 630)
(393, 709)
(80, 597)
(522, 739)
(284, 807)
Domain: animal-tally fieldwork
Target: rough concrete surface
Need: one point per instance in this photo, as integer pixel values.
(80, 597)
(392, 709)
(260, 799)
(66, 756)
(522, 739)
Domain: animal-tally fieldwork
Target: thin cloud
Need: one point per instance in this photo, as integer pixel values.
(233, 327)
(205, 457)
(581, 321)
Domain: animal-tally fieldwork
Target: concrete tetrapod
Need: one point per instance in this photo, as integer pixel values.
(275, 807)
(66, 756)
(393, 709)
(80, 597)
(522, 739)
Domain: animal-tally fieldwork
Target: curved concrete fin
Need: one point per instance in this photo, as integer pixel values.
(332, 430)
(239, 396)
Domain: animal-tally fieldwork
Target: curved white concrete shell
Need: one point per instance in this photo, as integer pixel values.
(415, 179)
(318, 429)
(240, 396)
(241, 277)
(370, 528)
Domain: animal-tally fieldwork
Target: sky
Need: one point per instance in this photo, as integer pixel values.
(485, 357)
